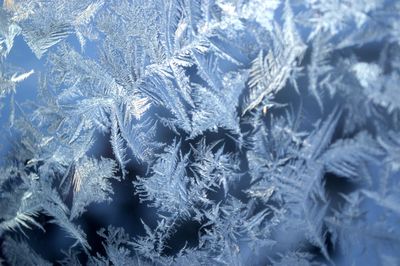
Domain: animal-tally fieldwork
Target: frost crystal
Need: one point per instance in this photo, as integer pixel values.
(200, 132)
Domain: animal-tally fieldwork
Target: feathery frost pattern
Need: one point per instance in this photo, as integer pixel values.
(200, 132)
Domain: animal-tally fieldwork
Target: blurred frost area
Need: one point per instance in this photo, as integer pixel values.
(126, 211)
(24, 60)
